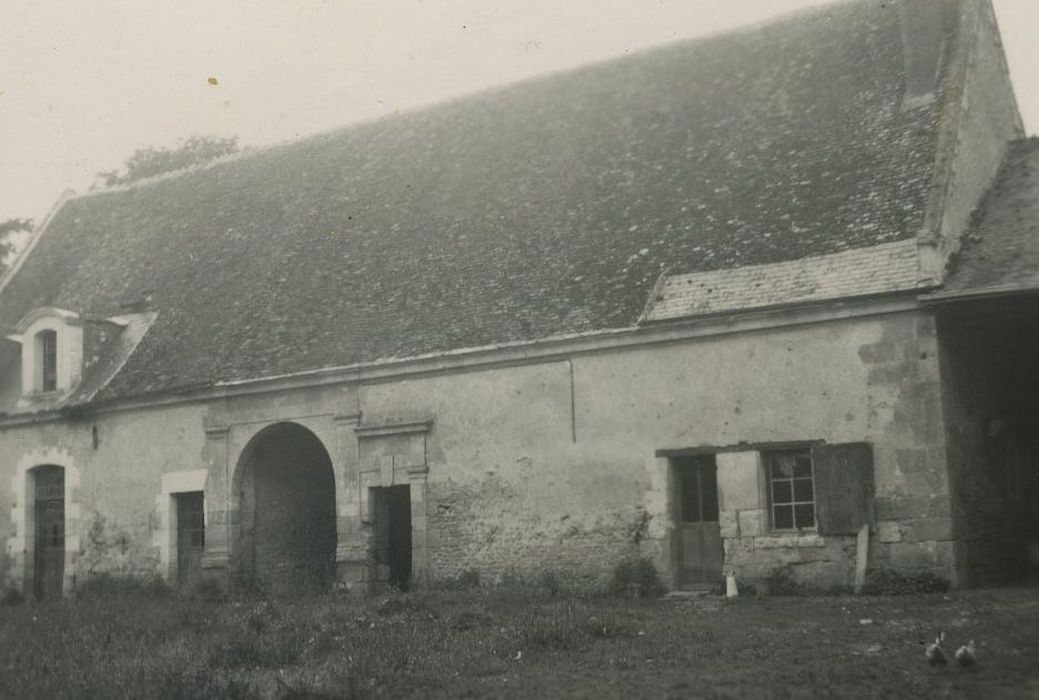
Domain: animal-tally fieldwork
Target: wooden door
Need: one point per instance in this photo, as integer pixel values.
(49, 536)
(400, 536)
(697, 533)
(191, 536)
(391, 541)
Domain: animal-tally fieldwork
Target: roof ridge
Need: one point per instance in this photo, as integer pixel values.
(256, 151)
(543, 207)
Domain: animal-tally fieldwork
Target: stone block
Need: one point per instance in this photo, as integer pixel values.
(912, 555)
(900, 331)
(789, 540)
(873, 353)
(738, 486)
(219, 517)
(779, 556)
(945, 555)
(928, 530)
(893, 373)
(889, 531)
(926, 328)
(928, 480)
(823, 575)
(752, 523)
(738, 548)
(349, 506)
(912, 459)
(887, 474)
(880, 417)
(926, 412)
(836, 549)
(728, 523)
(911, 508)
(752, 571)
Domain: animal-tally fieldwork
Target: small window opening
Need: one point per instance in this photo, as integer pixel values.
(791, 489)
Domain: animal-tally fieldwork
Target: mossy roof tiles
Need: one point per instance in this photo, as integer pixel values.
(542, 208)
(1001, 249)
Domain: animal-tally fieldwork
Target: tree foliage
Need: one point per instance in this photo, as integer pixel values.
(149, 162)
(6, 229)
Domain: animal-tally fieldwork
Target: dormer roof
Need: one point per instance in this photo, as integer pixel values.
(26, 321)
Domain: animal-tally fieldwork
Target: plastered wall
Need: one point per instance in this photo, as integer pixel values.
(548, 466)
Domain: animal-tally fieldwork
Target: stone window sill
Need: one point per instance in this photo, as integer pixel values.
(789, 539)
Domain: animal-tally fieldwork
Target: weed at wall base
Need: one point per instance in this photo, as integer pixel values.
(888, 582)
(636, 578)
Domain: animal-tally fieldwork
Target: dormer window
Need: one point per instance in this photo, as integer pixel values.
(47, 357)
(52, 352)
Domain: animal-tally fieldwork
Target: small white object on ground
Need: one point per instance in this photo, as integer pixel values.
(731, 591)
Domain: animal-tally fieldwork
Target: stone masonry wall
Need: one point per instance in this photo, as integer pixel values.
(914, 526)
(114, 521)
(517, 482)
(914, 519)
(556, 465)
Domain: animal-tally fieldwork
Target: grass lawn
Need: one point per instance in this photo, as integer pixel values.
(518, 644)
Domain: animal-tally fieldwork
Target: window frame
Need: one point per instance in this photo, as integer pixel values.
(768, 456)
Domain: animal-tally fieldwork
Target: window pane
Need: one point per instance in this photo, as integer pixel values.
(782, 465)
(709, 486)
(783, 517)
(803, 465)
(781, 492)
(48, 359)
(805, 515)
(802, 489)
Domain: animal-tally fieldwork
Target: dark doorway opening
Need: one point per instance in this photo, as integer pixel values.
(48, 531)
(989, 364)
(286, 534)
(392, 541)
(191, 536)
(697, 535)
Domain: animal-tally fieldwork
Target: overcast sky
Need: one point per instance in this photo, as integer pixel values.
(84, 84)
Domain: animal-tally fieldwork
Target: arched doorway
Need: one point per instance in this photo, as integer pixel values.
(286, 534)
(47, 528)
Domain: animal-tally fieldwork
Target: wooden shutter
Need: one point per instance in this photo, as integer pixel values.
(843, 487)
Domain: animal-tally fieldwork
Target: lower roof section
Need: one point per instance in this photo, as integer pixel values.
(880, 269)
(1000, 253)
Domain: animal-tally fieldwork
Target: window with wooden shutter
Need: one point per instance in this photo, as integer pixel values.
(843, 487)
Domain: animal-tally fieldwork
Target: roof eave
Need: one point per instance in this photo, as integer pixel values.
(527, 352)
(1001, 291)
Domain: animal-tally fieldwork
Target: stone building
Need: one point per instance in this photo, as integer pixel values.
(721, 304)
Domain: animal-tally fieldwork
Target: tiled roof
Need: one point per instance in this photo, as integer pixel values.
(1001, 249)
(544, 208)
(879, 269)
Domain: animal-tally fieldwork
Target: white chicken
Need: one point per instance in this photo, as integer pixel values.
(966, 656)
(935, 653)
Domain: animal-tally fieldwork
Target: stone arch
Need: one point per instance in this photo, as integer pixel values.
(284, 495)
(21, 544)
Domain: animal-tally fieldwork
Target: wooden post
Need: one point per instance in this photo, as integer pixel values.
(861, 557)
